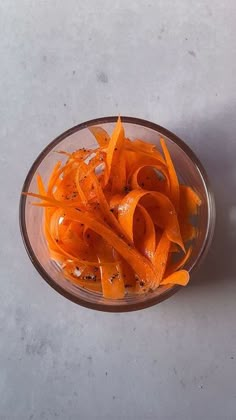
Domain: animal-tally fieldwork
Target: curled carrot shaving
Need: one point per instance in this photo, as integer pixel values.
(181, 261)
(149, 178)
(101, 136)
(180, 277)
(116, 218)
(162, 211)
(111, 276)
(174, 183)
(146, 241)
(160, 257)
(114, 158)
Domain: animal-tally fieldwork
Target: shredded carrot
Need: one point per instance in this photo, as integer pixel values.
(174, 183)
(161, 256)
(180, 277)
(101, 136)
(117, 220)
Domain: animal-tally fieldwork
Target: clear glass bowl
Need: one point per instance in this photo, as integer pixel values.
(190, 172)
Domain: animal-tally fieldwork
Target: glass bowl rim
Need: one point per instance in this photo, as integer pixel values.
(131, 306)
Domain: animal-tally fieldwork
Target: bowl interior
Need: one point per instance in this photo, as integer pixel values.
(31, 218)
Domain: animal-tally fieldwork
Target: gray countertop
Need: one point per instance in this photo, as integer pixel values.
(172, 62)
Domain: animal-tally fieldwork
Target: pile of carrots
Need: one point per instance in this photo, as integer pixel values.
(116, 218)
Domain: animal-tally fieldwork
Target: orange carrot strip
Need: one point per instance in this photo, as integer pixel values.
(174, 183)
(100, 135)
(51, 201)
(147, 177)
(160, 257)
(180, 277)
(148, 240)
(180, 263)
(140, 159)
(85, 284)
(119, 175)
(174, 247)
(40, 184)
(105, 208)
(188, 231)
(140, 264)
(145, 148)
(189, 205)
(112, 282)
(128, 275)
(189, 201)
(80, 190)
(163, 213)
(113, 152)
(57, 249)
(53, 176)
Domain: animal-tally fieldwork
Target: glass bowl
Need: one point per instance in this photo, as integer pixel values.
(190, 172)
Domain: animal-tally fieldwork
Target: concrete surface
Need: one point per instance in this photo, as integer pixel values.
(172, 62)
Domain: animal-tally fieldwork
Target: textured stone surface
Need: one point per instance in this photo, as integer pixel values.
(172, 62)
